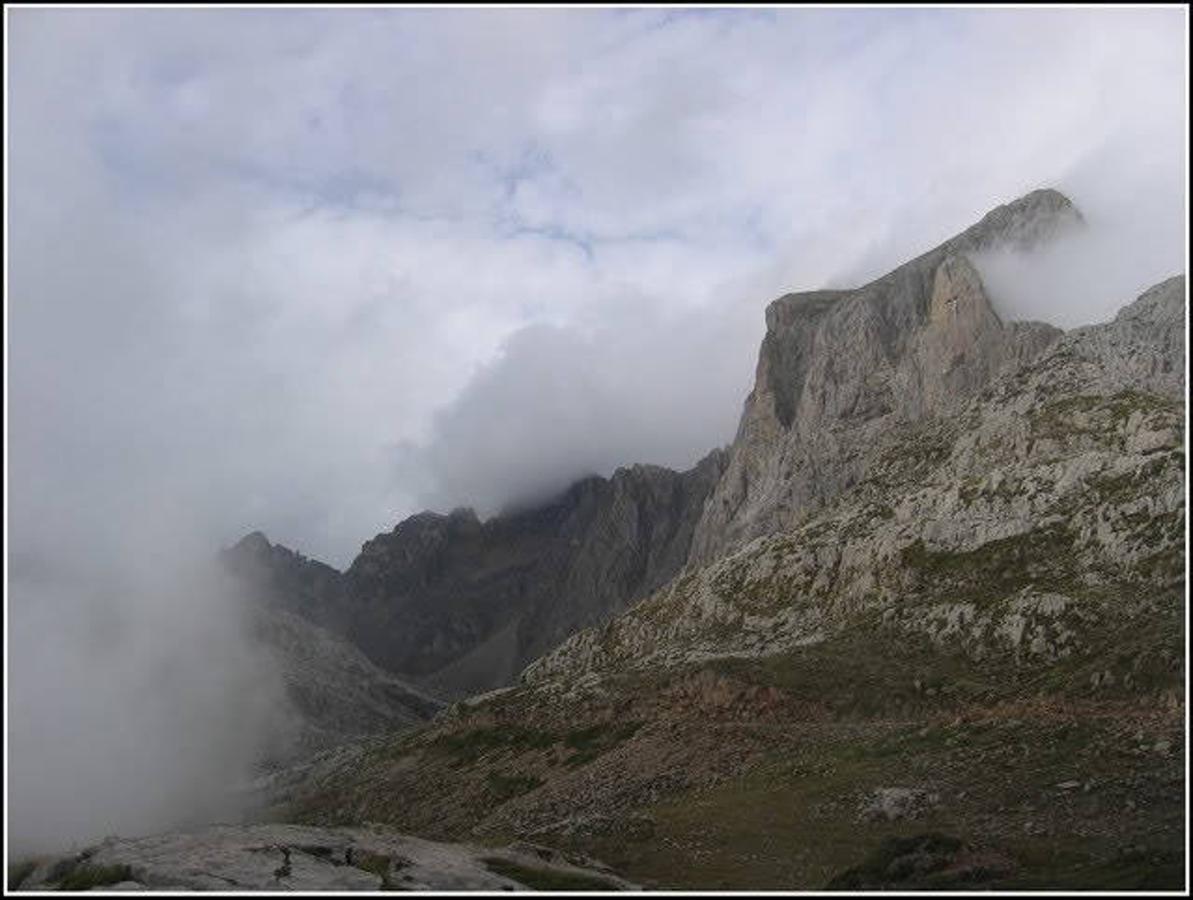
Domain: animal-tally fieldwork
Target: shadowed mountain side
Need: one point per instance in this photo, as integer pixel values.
(462, 605)
(467, 604)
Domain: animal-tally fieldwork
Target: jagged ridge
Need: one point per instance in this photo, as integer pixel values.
(463, 605)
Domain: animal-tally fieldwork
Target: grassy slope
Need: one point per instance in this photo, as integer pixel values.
(762, 789)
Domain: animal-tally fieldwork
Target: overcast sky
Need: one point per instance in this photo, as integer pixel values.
(308, 271)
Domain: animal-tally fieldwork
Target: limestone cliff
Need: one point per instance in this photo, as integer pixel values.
(838, 368)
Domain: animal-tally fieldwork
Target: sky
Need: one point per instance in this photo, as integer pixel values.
(310, 271)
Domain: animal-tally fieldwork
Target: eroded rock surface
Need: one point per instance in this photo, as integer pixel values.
(303, 858)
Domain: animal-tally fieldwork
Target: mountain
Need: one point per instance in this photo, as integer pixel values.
(930, 633)
(468, 604)
(1048, 507)
(462, 605)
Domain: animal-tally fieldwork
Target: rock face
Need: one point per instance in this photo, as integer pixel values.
(467, 604)
(299, 858)
(837, 368)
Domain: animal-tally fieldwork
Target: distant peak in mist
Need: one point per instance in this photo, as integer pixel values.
(255, 542)
(1023, 225)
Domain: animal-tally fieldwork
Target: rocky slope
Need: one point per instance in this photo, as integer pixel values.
(934, 641)
(462, 605)
(334, 694)
(297, 858)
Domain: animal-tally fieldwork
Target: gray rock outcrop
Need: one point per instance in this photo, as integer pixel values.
(303, 858)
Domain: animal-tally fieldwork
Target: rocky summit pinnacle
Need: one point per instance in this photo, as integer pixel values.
(837, 367)
(1022, 224)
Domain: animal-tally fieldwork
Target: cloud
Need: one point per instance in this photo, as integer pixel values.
(563, 402)
(309, 270)
(136, 703)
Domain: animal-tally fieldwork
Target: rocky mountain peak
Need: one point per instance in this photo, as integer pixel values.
(1022, 224)
(254, 545)
(836, 367)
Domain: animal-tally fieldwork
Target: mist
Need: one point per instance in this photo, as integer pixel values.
(136, 705)
(310, 271)
(1133, 236)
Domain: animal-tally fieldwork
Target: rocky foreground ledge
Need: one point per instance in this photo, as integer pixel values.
(300, 858)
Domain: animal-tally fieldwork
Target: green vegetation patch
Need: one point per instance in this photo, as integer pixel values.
(506, 787)
(995, 569)
(19, 871)
(792, 822)
(591, 742)
(469, 746)
(1093, 414)
(84, 877)
(1133, 868)
(899, 859)
(546, 879)
(863, 673)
